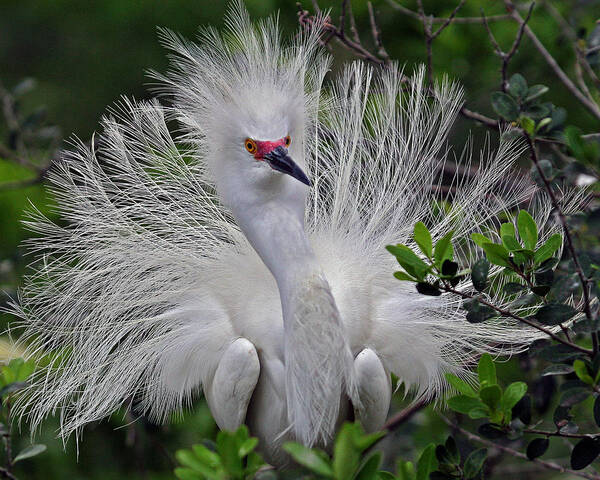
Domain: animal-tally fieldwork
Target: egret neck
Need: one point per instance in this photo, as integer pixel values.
(318, 361)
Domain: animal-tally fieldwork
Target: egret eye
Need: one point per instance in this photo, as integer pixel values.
(288, 141)
(250, 145)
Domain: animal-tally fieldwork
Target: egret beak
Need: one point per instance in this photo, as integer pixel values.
(278, 159)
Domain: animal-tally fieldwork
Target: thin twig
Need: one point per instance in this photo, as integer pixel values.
(6, 474)
(513, 49)
(508, 313)
(478, 117)
(404, 415)
(591, 106)
(381, 51)
(353, 28)
(511, 451)
(506, 56)
(430, 35)
(464, 20)
(560, 434)
(448, 20)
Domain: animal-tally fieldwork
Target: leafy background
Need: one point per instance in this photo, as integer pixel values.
(84, 55)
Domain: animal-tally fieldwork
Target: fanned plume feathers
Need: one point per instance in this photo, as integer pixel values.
(128, 289)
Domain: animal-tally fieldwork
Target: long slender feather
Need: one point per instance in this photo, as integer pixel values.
(146, 279)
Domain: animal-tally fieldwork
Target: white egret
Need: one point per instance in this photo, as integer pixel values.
(243, 256)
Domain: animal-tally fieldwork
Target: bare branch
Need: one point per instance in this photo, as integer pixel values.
(353, 28)
(478, 117)
(404, 415)
(381, 51)
(448, 20)
(495, 43)
(464, 20)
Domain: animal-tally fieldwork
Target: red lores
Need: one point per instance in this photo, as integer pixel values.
(264, 147)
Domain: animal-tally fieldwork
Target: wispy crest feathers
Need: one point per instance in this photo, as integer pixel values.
(131, 290)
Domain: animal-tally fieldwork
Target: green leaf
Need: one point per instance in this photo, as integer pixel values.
(346, 458)
(449, 268)
(542, 123)
(522, 410)
(573, 396)
(496, 254)
(491, 431)
(206, 456)
(491, 395)
(409, 261)
(505, 106)
(425, 288)
(486, 370)
(479, 274)
(513, 288)
(474, 463)
(30, 451)
(554, 313)
(527, 229)
(507, 228)
(463, 403)
(517, 86)
(548, 248)
(597, 410)
(480, 239)
(537, 447)
(196, 465)
(404, 276)
(382, 475)
(12, 387)
(363, 441)
(423, 238)
(582, 372)
(460, 385)
(368, 471)
(452, 450)
(248, 446)
(584, 453)
(559, 369)
(479, 412)
(443, 249)
(426, 462)
(513, 393)
(528, 124)
(309, 459)
(535, 91)
(227, 448)
(187, 474)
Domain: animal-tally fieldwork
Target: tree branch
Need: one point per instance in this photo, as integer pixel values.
(464, 20)
(508, 313)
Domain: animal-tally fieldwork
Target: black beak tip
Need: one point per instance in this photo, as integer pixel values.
(279, 160)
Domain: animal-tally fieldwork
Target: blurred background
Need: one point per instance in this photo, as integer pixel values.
(63, 62)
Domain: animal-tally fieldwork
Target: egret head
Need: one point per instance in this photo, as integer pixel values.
(247, 100)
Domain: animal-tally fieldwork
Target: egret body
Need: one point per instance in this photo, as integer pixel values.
(245, 255)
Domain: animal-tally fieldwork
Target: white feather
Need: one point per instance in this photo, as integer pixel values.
(148, 279)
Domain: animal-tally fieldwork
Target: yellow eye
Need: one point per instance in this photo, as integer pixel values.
(288, 141)
(250, 145)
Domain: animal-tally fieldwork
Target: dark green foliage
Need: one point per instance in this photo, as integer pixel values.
(234, 458)
(537, 447)
(584, 453)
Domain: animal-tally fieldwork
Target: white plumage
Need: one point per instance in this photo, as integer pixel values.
(184, 264)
